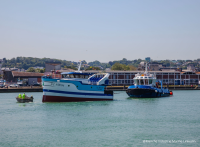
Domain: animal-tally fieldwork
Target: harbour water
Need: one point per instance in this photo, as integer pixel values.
(170, 121)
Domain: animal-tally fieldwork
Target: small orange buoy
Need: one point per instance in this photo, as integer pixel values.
(171, 93)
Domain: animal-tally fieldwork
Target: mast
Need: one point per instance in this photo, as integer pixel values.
(146, 69)
(79, 66)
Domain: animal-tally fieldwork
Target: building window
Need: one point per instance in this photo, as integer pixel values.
(127, 77)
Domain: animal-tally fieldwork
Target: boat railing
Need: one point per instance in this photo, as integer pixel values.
(94, 80)
(52, 76)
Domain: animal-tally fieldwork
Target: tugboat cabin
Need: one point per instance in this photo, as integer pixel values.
(145, 80)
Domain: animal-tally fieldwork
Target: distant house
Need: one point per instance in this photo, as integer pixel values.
(148, 59)
(174, 61)
(107, 69)
(101, 68)
(7, 74)
(29, 78)
(49, 66)
(171, 69)
(141, 66)
(1, 62)
(13, 75)
(155, 66)
(85, 65)
(38, 67)
(190, 67)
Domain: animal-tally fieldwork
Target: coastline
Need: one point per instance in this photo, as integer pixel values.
(24, 89)
(171, 87)
(112, 88)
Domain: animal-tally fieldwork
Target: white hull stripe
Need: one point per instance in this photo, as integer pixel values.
(76, 93)
(77, 96)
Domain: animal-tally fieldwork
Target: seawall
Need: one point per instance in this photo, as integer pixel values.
(9, 90)
(123, 88)
(112, 88)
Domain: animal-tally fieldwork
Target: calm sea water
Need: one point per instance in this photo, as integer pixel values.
(172, 121)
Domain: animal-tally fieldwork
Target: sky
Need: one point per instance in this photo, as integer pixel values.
(103, 30)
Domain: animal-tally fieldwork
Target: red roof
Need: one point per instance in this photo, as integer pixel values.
(27, 74)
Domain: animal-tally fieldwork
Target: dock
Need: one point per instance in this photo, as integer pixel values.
(170, 87)
(21, 89)
(109, 88)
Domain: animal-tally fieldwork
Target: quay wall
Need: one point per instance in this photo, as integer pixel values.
(113, 88)
(10, 90)
(171, 87)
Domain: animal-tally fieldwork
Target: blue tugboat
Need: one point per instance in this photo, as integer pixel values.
(146, 86)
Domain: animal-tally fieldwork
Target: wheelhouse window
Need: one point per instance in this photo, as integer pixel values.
(141, 82)
(136, 81)
(146, 82)
(150, 81)
(65, 76)
(77, 76)
(82, 76)
(71, 76)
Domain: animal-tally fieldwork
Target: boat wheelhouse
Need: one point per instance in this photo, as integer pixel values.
(148, 80)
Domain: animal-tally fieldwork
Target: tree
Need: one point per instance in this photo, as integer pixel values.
(39, 70)
(92, 68)
(118, 66)
(31, 69)
(4, 60)
(132, 67)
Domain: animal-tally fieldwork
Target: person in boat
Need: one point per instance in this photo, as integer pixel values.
(23, 96)
(19, 96)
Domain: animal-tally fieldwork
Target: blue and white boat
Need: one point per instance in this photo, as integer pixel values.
(146, 86)
(76, 86)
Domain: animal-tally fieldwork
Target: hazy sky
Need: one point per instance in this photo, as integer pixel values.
(103, 30)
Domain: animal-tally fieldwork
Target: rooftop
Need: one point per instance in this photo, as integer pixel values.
(27, 74)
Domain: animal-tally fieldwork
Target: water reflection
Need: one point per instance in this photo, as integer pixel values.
(22, 104)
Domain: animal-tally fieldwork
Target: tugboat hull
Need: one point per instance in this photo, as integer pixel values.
(146, 93)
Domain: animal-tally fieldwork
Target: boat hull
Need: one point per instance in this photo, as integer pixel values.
(51, 95)
(146, 93)
(47, 98)
(27, 100)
